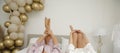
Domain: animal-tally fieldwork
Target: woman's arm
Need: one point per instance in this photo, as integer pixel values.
(55, 41)
(41, 38)
(70, 39)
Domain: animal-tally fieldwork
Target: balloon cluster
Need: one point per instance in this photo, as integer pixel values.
(18, 9)
(22, 6)
(10, 46)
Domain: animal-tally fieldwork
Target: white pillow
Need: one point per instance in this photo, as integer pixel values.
(65, 43)
(32, 41)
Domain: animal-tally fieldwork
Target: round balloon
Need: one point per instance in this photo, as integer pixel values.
(14, 35)
(8, 43)
(15, 20)
(13, 28)
(29, 1)
(15, 50)
(36, 0)
(21, 35)
(28, 8)
(23, 17)
(7, 24)
(35, 6)
(6, 8)
(41, 6)
(1, 45)
(16, 13)
(21, 28)
(11, 48)
(8, 1)
(6, 37)
(21, 2)
(19, 42)
(6, 51)
(13, 6)
(21, 9)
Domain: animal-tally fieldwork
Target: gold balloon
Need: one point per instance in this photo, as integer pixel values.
(41, 6)
(6, 8)
(6, 51)
(23, 17)
(8, 43)
(6, 37)
(36, 0)
(12, 47)
(1, 45)
(19, 42)
(7, 24)
(23, 23)
(36, 6)
(28, 8)
(15, 50)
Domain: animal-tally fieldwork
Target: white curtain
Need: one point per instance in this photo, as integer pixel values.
(116, 38)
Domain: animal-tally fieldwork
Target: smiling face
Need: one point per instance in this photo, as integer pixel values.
(47, 39)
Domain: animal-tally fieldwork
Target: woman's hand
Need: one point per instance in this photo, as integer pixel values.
(49, 32)
(41, 38)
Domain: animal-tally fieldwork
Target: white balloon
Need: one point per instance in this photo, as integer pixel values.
(13, 6)
(13, 35)
(29, 1)
(8, 1)
(13, 28)
(15, 20)
(21, 35)
(16, 13)
(21, 28)
(21, 9)
(21, 2)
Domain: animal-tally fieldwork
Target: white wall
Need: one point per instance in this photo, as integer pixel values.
(87, 15)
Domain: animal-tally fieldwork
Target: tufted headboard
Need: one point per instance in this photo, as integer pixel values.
(38, 35)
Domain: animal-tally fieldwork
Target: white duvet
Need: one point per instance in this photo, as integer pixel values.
(87, 49)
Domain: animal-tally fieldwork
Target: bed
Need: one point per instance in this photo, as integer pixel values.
(62, 39)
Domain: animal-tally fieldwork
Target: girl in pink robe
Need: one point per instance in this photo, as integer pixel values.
(40, 46)
(48, 43)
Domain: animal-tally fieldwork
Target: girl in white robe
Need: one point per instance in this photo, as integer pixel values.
(79, 43)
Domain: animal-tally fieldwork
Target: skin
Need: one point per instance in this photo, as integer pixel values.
(73, 37)
(77, 38)
(47, 39)
(51, 36)
(48, 34)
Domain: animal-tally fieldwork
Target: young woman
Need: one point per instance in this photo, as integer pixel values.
(79, 43)
(48, 43)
